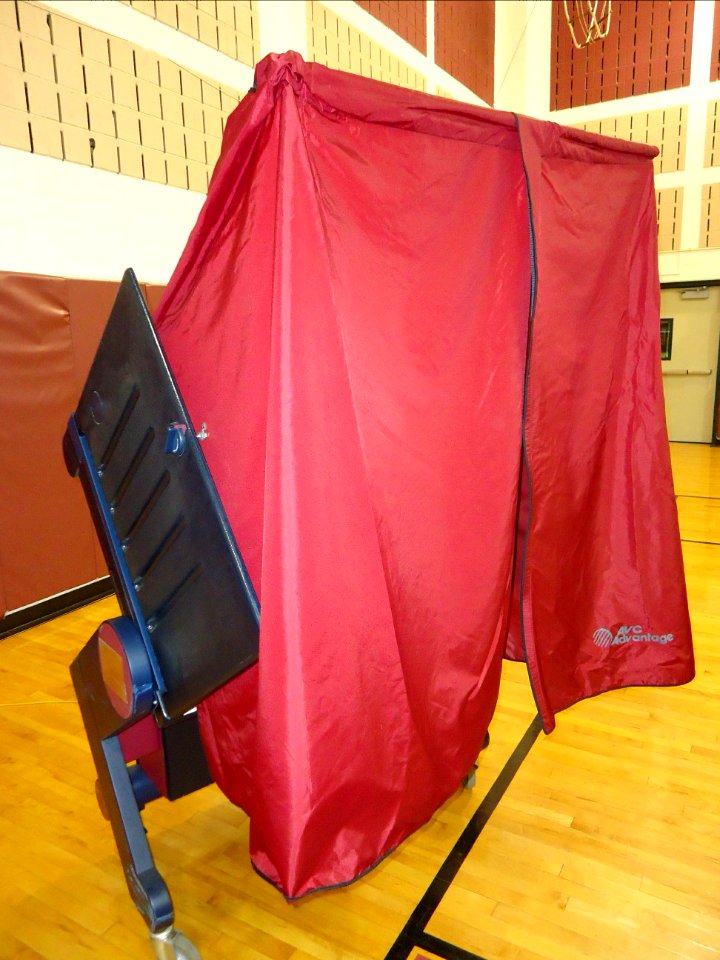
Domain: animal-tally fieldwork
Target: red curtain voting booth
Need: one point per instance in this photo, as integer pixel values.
(424, 340)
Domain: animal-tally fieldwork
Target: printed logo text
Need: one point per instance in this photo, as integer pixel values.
(635, 634)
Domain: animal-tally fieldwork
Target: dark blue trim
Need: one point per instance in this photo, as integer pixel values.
(116, 561)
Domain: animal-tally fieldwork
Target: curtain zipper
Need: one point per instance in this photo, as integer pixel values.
(536, 688)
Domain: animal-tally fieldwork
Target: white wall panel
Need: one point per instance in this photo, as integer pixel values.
(65, 219)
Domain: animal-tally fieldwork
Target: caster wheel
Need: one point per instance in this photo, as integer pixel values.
(469, 780)
(172, 944)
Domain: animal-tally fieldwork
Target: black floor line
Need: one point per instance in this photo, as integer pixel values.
(712, 543)
(413, 933)
(695, 496)
(441, 948)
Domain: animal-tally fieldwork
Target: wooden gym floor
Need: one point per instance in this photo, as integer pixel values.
(606, 844)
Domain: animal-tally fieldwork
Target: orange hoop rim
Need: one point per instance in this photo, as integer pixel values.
(587, 20)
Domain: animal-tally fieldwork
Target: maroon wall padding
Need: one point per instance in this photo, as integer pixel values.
(45, 532)
(408, 18)
(647, 49)
(153, 293)
(49, 330)
(465, 43)
(89, 305)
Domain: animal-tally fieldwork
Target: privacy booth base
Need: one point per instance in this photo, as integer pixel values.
(424, 340)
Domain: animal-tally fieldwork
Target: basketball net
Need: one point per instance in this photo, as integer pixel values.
(588, 20)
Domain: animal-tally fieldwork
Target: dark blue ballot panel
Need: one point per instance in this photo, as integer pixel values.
(176, 567)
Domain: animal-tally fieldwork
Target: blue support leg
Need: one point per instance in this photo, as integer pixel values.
(147, 888)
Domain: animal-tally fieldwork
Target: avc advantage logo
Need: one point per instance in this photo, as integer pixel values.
(633, 634)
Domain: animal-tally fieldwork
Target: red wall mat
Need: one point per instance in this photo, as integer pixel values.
(153, 294)
(45, 528)
(49, 330)
(89, 303)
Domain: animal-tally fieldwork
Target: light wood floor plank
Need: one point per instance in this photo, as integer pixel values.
(605, 846)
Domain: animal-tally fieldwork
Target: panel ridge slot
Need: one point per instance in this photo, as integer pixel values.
(164, 546)
(133, 468)
(148, 507)
(119, 428)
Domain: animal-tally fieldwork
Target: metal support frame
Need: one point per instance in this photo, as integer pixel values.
(147, 888)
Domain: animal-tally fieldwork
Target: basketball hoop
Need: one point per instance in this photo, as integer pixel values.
(588, 20)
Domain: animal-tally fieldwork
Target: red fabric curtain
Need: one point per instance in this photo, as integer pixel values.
(351, 319)
(603, 597)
